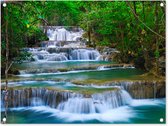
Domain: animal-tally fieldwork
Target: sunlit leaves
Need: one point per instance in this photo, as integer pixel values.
(156, 54)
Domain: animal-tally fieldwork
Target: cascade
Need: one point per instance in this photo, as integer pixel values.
(68, 101)
(63, 45)
(58, 33)
(97, 103)
(84, 54)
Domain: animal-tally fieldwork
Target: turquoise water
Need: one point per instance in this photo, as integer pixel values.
(55, 65)
(84, 74)
(55, 85)
(140, 111)
(77, 74)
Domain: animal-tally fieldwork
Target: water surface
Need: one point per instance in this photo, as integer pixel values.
(140, 111)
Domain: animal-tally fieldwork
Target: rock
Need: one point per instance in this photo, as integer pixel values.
(108, 54)
(87, 96)
(162, 66)
(137, 89)
(144, 89)
(14, 71)
(52, 50)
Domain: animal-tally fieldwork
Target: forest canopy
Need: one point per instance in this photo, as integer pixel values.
(136, 29)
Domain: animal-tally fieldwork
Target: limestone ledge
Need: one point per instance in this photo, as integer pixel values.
(138, 89)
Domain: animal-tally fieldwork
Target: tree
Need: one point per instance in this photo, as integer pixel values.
(136, 29)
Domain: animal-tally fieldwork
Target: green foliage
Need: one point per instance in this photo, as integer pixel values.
(61, 13)
(156, 54)
(108, 22)
(23, 23)
(103, 43)
(115, 23)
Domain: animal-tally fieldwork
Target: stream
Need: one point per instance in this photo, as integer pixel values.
(50, 88)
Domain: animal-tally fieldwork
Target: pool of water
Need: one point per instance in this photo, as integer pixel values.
(139, 111)
(50, 84)
(99, 74)
(89, 74)
(56, 65)
(61, 86)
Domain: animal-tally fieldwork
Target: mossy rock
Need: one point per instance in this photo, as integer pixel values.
(89, 92)
(63, 69)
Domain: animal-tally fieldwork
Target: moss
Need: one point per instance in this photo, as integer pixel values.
(23, 88)
(31, 79)
(144, 77)
(89, 92)
(89, 81)
(149, 77)
(63, 69)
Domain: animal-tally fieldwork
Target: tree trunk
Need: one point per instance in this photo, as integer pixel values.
(124, 55)
(122, 37)
(143, 5)
(6, 64)
(135, 12)
(7, 51)
(156, 38)
(94, 44)
(135, 7)
(45, 28)
(89, 34)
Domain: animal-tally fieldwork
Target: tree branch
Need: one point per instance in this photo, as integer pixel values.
(143, 22)
(9, 66)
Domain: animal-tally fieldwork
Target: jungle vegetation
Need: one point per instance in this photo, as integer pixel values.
(135, 28)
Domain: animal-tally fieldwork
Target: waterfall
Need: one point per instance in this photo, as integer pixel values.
(98, 103)
(28, 96)
(54, 54)
(113, 99)
(68, 101)
(61, 34)
(84, 54)
(36, 101)
(63, 45)
(57, 57)
(78, 105)
(45, 56)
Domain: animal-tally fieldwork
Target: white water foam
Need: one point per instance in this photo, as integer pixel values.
(148, 102)
(122, 114)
